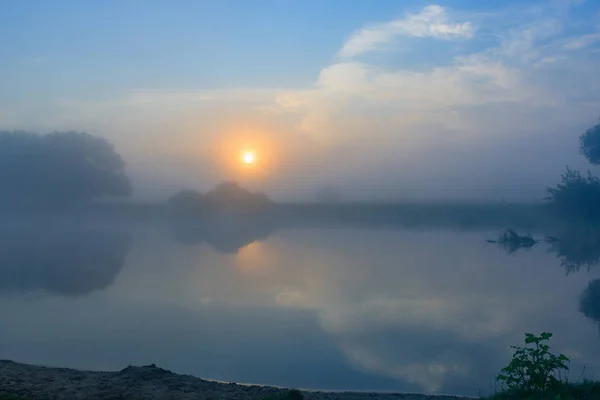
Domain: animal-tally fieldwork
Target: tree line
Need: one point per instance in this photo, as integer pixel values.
(577, 196)
(61, 170)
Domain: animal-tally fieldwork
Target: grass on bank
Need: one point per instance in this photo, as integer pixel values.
(586, 390)
(289, 395)
(9, 396)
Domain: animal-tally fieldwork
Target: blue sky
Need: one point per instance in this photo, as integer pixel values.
(159, 43)
(359, 93)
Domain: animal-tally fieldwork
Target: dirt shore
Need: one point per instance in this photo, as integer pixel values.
(150, 383)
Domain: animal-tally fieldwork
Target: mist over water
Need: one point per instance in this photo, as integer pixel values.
(423, 306)
(228, 284)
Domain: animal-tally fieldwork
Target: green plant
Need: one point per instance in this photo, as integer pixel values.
(533, 369)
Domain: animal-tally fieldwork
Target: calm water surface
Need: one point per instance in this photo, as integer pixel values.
(408, 310)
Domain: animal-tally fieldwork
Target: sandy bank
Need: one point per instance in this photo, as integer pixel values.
(149, 383)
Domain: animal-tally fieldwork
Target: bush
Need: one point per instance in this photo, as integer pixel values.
(533, 369)
(534, 374)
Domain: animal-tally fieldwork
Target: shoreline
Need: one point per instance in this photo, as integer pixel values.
(153, 383)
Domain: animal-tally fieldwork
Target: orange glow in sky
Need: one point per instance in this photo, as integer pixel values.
(248, 157)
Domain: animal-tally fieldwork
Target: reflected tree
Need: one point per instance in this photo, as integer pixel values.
(228, 217)
(578, 248)
(67, 260)
(510, 241)
(226, 235)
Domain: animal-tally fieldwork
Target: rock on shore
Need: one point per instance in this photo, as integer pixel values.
(150, 383)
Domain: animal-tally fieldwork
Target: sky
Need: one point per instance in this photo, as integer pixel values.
(385, 100)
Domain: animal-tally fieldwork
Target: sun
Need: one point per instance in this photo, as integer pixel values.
(248, 157)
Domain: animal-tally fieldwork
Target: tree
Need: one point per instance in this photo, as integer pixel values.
(589, 301)
(577, 196)
(230, 195)
(589, 144)
(186, 201)
(58, 170)
(225, 196)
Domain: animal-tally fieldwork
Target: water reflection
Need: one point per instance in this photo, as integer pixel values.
(427, 352)
(224, 233)
(68, 259)
(577, 248)
(332, 309)
(511, 242)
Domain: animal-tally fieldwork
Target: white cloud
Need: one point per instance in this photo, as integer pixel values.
(466, 82)
(581, 42)
(428, 374)
(432, 21)
(525, 42)
(355, 100)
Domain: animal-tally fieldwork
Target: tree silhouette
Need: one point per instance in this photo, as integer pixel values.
(58, 170)
(226, 196)
(229, 195)
(577, 196)
(186, 202)
(589, 302)
(589, 144)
